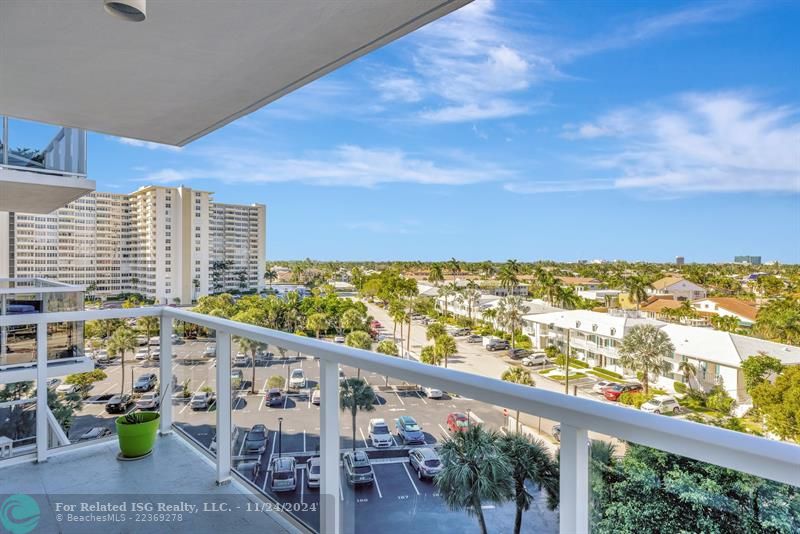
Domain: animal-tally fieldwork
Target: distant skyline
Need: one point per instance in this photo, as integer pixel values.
(528, 130)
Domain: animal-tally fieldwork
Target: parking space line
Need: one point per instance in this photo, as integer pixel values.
(196, 391)
(446, 433)
(302, 483)
(399, 398)
(341, 493)
(244, 438)
(420, 397)
(366, 445)
(377, 486)
(393, 440)
(410, 479)
(285, 401)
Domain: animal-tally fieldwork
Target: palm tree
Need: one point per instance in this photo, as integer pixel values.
(566, 297)
(510, 311)
(317, 322)
(530, 462)
(445, 346)
(270, 275)
(389, 348)
(471, 297)
(508, 279)
(475, 471)
(351, 319)
(547, 284)
(435, 274)
(447, 291)
(455, 267)
(429, 355)
(518, 375)
(149, 324)
(637, 287)
(355, 394)
(122, 340)
(435, 330)
(643, 350)
(689, 371)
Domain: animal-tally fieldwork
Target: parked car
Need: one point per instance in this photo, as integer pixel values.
(262, 357)
(249, 469)
(145, 382)
(142, 354)
(459, 332)
(379, 434)
(425, 462)
(95, 433)
(255, 442)
(273, 397)
(284, 476)
(176, 339)
(338, 339)
(155, 340)
(66, 389)
(101, 355)
(357, 468)
(148, 401)
(53, 383)
(408, 430)
(316, 397)
(598, 387)
(537, 358)
(496, 344)
(556, 432)
(661, 404)
(432, 393)
(474, 338)
(210, 351)
(612, 393)
(202, 400)
(313, 472)
(241, 359)
(237, 377)
(457, 422)
(297, 379)
(119, 403)
(518, 354)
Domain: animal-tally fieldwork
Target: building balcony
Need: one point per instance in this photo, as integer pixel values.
(207, 453)
(43, 177)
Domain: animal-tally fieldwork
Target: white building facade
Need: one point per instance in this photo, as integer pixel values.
(157, 241)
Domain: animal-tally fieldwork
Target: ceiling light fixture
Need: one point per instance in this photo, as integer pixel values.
(131, 10)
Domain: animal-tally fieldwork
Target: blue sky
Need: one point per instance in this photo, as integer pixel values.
(529, 130)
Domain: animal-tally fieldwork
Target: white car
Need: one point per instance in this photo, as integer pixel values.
(537, 358)
(338, 339)
(316, 397)
(432, 393)
(101, 355)
(141, 354)
(598, 387)
(148, 401)
(210, 351)
(53, 382)
(241, 359)
(661, 404)
(379, 434)
(297, 379)
(66, 389)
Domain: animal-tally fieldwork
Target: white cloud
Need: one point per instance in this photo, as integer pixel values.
(148, 144)
(346, 165)
(495, 109)
(401, 89)
(718, 142)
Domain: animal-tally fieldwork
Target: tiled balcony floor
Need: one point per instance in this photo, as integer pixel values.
(173, 474)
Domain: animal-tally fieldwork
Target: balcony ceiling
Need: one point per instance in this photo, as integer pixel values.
(191, 66)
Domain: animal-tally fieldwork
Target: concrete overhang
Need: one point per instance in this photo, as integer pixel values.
(34, 192)
(189, 68)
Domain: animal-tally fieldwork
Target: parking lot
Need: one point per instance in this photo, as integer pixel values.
(397, 498)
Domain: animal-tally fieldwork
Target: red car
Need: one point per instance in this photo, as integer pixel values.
(457, 422)
(375, 324)
(612, 393)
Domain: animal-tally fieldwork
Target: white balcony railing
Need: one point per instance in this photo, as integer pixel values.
(760, 457)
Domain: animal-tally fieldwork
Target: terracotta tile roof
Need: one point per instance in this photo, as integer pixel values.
(659, 305)
(578, 280)
(734, 305)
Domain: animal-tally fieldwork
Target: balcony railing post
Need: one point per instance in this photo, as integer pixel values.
(42, 433)
(329, 446)
(165, 372)
(574, 481)
(223, 407)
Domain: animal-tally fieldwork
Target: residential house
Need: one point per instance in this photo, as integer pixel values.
(745, 311)
(680, 288)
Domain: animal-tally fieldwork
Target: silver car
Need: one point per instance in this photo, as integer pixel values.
(284, 477)
(425, 462)
(358, 468)
(313, 469)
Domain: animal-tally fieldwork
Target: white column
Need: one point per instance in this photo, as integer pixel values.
(330, 518)
(574, 481)
(223, 407)
(42, 431)
(165, 372)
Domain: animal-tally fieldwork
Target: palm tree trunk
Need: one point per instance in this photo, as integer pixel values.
(353, 411)
(476, 505)
(517, 428)
(408, 341)
(520, 488)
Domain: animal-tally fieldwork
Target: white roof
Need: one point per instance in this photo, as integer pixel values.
(191, 66)
(603, 324)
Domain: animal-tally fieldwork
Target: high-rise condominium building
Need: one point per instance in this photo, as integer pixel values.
(751, 260)
(172, 244)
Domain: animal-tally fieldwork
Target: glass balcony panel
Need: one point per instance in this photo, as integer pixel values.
(194, 383)
(274, 387)
(40, 147)
(17, 419)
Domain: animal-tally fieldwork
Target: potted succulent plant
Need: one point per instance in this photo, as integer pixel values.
(136, 432)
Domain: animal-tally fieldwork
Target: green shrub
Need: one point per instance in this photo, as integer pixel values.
(635, 398)
(604, 371)
(719, 401)
(276, 381)
(679, 387)
(561, 378)
(578, 363)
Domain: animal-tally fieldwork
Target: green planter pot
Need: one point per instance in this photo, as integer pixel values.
(138, 439)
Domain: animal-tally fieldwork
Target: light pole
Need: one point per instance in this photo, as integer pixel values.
(469, 419)
(280, 435)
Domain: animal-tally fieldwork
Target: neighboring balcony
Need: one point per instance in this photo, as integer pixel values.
(42, 167)
(205, 444)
